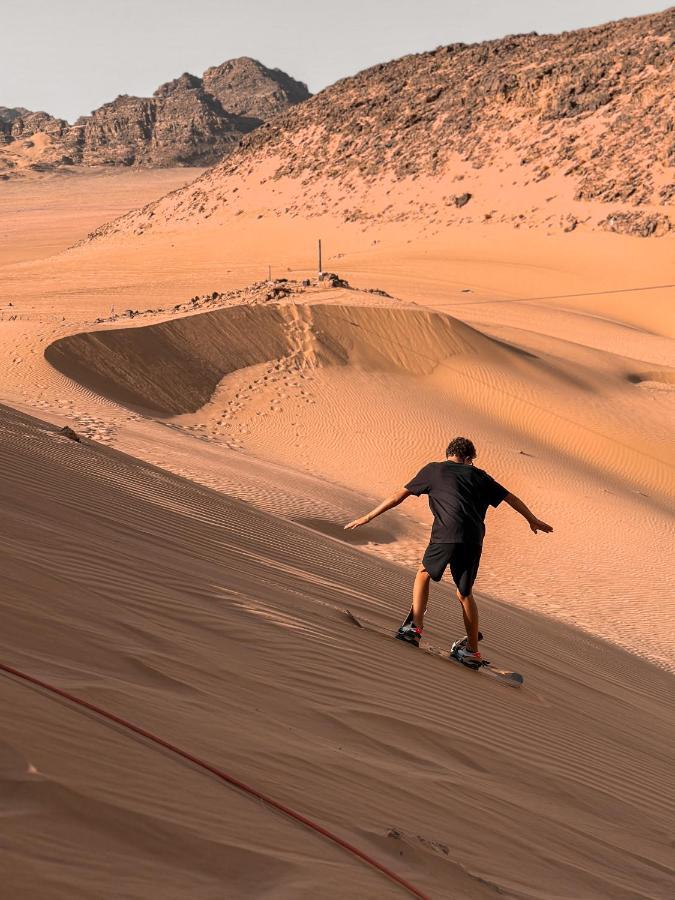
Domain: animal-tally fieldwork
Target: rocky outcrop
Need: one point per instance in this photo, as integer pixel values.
(530, 130)
(637, 223)
(9, 113)
(252, 91)
(189, 121)
(20, 124)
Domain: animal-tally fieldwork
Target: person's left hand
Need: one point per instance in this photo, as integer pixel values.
(537, 525)
(357, 523)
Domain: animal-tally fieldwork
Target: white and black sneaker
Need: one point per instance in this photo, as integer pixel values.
(462, 643)
(410, 633)
(470, 658)
(459, 652)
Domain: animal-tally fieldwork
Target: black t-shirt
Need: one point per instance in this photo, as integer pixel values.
(459, 496)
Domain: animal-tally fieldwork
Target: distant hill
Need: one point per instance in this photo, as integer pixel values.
(560, 131)
(10, 113)
(189, 121)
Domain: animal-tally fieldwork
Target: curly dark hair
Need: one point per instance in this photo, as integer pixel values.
(461, 447)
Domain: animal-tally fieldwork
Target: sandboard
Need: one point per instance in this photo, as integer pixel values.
(512, 679)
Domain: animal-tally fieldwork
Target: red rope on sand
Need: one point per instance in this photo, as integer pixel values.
(219, 773)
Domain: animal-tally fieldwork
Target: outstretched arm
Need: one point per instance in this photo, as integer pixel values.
(534, 523)
(389, 503)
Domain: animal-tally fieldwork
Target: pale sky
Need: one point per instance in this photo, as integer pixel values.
(70, 56)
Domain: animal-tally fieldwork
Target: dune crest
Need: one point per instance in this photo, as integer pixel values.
(173, 367)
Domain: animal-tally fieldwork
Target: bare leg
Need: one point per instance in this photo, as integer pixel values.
(420, 596)
(470, 613)
(467, 621)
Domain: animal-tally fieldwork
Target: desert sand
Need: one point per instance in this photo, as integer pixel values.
(184, 564)
(221, 627)
(569, 395)
(196, 583)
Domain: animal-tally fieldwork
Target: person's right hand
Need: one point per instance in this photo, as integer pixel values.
(363, 520)
(537, 525)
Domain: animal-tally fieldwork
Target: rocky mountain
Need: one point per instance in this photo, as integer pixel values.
(556, 130)
(188, 121)
(10, 113)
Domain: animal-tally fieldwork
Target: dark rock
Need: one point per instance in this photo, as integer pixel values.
(248, 89)
(69, 433)
(637, 223)
(330, 279)
(462, 199)
(10, 113)
(279, 291)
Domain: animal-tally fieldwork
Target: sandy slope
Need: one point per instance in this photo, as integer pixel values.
(553, 132)
(359, 391)
(221, 628)
(557, 359)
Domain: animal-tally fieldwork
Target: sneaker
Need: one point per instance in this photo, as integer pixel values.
(458, 645)
(462, 643)
(409, 632)
(470, 658)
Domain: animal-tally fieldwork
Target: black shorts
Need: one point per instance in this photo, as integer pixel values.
(463, 560)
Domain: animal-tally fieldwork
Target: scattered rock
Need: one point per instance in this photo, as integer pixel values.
(278, 291)
(637, 223)
(330, 279)
(68, 432)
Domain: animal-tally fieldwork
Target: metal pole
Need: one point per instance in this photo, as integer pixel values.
(320, 269)
(269, 273)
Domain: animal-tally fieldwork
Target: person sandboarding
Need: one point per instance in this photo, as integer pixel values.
(459, 495)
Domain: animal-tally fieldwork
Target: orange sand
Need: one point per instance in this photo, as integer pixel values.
(552, 351)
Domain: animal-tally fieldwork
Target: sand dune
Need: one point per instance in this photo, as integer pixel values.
(141, 597)
(194, 581)
(174, 367)
(295, 384)
(565, 417)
